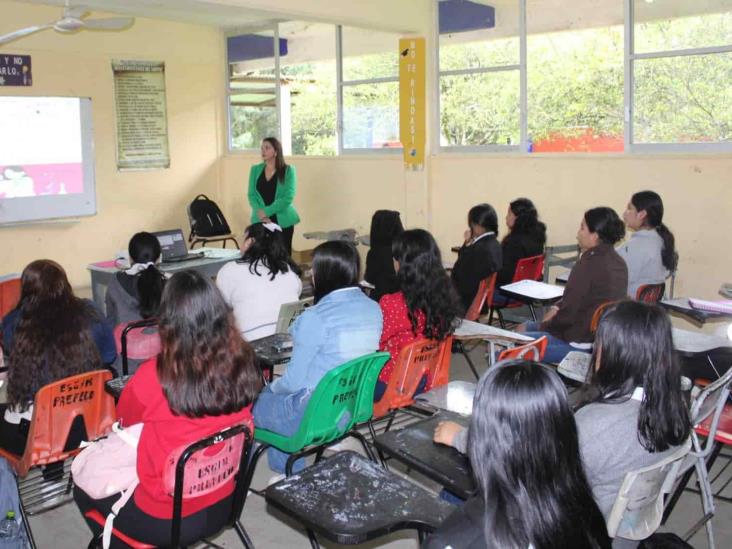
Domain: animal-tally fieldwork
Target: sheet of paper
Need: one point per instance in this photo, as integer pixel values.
(534, 289)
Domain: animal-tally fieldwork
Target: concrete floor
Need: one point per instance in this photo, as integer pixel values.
(63, 528)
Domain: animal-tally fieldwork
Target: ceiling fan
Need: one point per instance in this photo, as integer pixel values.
(73, 20)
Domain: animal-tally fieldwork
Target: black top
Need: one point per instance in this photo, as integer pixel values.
(515, 247)
(463, 529)
(267, 188)
(474, 263)
(380, 271)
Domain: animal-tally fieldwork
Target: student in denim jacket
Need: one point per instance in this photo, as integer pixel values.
(342, 325)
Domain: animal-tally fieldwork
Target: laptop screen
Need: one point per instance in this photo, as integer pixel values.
(172, 243)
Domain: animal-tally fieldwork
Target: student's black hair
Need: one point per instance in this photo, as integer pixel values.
(336, 265)
(280, 165)
(425, 284)
(634, 348)
(385, 225)
(527, 219)
(606, 223)
(268, 249)
(524, 451)
(652, 204)
(485, 216)
(145, 248)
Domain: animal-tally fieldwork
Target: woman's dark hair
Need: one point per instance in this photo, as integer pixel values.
(652, 204)
(485, 216)
(145, 248)
(634, 348)
(385, 226)
(268, 249)
(524, 450)
(280, 165)
(527, 220)
(425, 284)
(336, 265)
(205, 367)
(52, 339)
(606, 223)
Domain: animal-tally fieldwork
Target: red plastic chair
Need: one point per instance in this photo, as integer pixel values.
(528, 268)
(9, 295)
(484, 295)
(535, 349)
(650, 293)
(135, 342)
(187, 476)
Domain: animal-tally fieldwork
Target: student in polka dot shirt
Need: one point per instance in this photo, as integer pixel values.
(426, 304)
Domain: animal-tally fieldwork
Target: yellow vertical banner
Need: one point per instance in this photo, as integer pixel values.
(412, 108)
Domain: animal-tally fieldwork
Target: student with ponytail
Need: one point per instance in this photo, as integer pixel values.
(650, 253)
(135, 293)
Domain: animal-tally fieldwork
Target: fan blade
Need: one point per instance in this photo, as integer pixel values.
(75, 12)
(23, 32)
(113, 23)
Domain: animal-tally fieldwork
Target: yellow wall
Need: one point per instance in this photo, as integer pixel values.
(79, 65)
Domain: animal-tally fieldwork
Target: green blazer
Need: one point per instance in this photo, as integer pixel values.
(284, 194)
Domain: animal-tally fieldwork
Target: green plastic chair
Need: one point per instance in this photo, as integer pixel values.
(343, 398)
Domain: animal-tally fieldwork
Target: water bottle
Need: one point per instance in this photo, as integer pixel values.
(9, 526)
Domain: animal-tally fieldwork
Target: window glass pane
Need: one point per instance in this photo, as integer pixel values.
(308, 88)
(470, 37)
(369, 54)
(575, 78)
(683, 99)
(250, 124)
(480, 109)
(664, 25)
(371, 116)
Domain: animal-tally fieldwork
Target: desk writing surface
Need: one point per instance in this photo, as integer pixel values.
(532, 289)
(689, 342)
(469, 329)
(681, 305)
(456, 396)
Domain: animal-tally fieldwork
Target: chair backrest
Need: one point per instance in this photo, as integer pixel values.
(424, 356)
(553, 259)
(650, 293)
(289, 312)
(529, 268)
(9, 294)
(56, 407)
(597, 315)
(206, 465)
(485, 293)
(533, 350)
(137, 340)
(638, 507)
(441, 375)
(710, 403)
(340, 400)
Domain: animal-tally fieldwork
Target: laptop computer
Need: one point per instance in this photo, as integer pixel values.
(173, 247)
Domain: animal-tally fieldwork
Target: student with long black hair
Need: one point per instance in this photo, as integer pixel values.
(633, 414)
(135, 293)
(480, 256)
(343, 324)
(650, 252)
(526, 237)
(525, 456)
(385, 227)
(426, 304)
(257, 285)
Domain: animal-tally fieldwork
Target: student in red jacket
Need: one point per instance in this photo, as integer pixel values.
(204, 380)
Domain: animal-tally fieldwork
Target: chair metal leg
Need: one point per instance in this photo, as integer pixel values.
(243, 536)
(532, 311)
(313, 540)
(462, 350)
(707, 500)
(500, 319)
(366, 447)
(252, 466)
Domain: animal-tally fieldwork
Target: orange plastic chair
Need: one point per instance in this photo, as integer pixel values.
(597, 315)
(527, 268)
(9, 295)
(136, 343)
(484, 294)
(535, 349)
(650, 293)
(424, 356)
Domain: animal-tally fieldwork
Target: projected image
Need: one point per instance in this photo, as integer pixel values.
(40, 147)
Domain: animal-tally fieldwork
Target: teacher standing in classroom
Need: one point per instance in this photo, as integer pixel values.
(272, 190)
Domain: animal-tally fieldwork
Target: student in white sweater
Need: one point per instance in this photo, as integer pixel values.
(257, 285)
(650, 252)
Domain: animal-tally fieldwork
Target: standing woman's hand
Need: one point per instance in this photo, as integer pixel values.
(262, 216)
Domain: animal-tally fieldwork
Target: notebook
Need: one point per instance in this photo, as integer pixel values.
(173, 247)
(720, 306)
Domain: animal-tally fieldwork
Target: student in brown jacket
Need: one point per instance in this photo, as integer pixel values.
(599, 276)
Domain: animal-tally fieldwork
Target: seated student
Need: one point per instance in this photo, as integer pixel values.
(599, 276)
(385, 227)
(649, 252)
(634, 414)
(50, 334)
(523, 447)
(480, 256)
(426, 304)
(135, 293)
(343, 324)
(188, 392)
(257, 285)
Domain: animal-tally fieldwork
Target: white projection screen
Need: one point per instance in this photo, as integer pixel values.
(46, 158)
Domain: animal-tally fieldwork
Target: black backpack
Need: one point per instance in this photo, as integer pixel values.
(206, 218)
